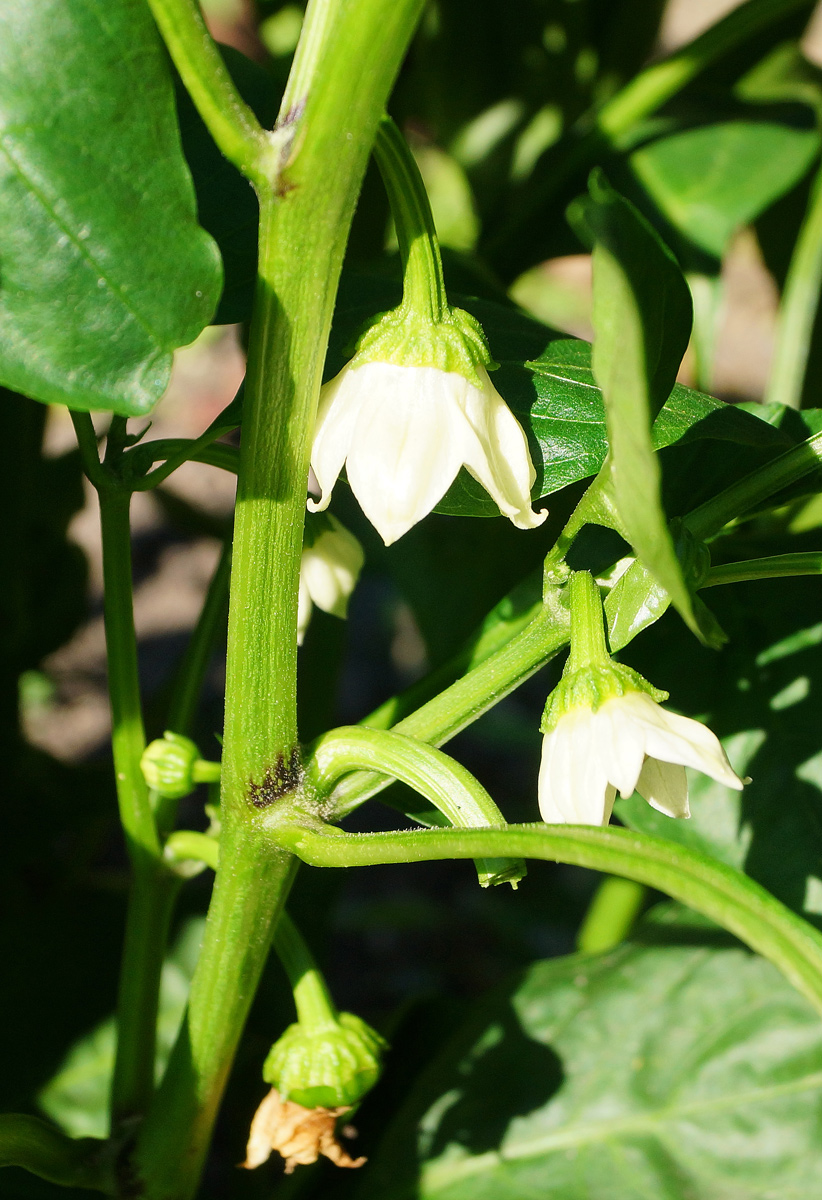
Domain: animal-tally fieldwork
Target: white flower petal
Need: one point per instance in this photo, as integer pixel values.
(677, 739)
(406, 448)
(619, 744)
(498, 457)
(337, 413)
(329, 568)
(572, 785)
(665, 786)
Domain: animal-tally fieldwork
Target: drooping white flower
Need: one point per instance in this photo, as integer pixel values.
(414, 405)
(627, 742)
(330, 566)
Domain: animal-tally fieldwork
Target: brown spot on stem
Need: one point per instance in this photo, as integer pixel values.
(278, 781)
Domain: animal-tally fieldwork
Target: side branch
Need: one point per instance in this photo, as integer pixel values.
(720, 892)
(44, 1151)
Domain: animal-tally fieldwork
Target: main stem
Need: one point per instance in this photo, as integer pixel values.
(303, 230)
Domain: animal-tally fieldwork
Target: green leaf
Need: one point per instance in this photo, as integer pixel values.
(77, 1097)
(672, 1072)
(103, 268)
(710, 180)
(642, 321)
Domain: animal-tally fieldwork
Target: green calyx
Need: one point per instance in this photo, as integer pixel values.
(409, 337)
(329, 1067)
(172, 766)
(589, 688)
(168, 765)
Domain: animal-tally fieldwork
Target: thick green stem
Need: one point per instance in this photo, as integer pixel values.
(228, 118)
(720, 892)
(303, 230)
(797, 312)
(43, 1150)
(315, 1007)
(423, 281)
(780, 566)
(466, 700)
(153, 888)
(313, 1001)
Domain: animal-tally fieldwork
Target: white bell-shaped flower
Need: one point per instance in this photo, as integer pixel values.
(330, 566)
(406, 413)
(627, 743)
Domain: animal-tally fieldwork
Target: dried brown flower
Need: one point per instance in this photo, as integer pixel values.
(299, 1134)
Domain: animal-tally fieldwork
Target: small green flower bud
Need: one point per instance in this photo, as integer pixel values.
(168, 765)
(328, 1068)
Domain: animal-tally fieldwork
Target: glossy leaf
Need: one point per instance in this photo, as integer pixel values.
(104, 270)
(660, 1070)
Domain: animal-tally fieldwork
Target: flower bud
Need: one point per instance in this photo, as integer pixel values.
(168, 765)
(329, 1067)
(329, 569)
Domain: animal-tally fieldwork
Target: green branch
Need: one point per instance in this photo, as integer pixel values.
(780, 566)
(303, 231)
(44, 1151)
(720, 892)
(464, 701)
(226, 115)
(449, 786)
(755, 488)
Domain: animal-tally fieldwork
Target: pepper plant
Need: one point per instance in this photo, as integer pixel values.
(153, 183)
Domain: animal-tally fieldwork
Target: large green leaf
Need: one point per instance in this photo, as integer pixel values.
(103, 268)
(664, 1071)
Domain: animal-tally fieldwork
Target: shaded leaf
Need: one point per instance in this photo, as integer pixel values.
(712, 179)
(77, 1097)
(761, 697)
(665, 1071)
(103, 268)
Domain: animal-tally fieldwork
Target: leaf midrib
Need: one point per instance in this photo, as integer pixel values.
(441, 1176)
(80, 245)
